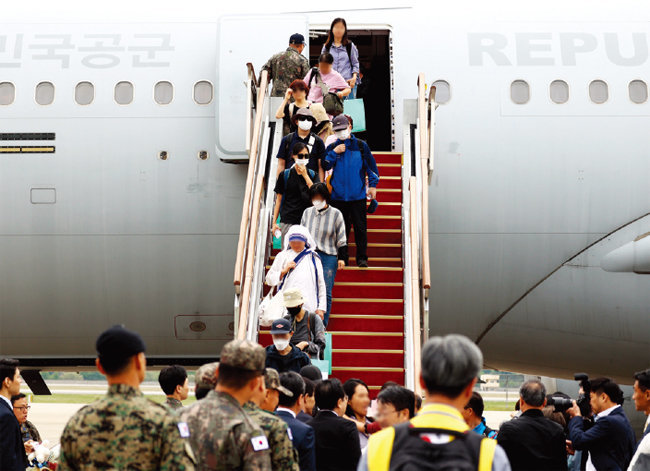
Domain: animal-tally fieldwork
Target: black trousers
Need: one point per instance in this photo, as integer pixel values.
(355, 215)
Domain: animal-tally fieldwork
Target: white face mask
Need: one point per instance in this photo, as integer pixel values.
(343, 135)
(303, 162)
(280, 344)
(319, 204)
(305, 125)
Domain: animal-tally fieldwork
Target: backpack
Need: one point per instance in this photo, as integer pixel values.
(311, 329)
(331, 102)
(289, 140)
(413, 453)
(285, 176)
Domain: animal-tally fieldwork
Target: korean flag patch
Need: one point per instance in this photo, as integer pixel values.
(184, 429)
(290, 434)
(260, 443)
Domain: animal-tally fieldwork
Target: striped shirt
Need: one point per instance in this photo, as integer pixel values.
(327, 227)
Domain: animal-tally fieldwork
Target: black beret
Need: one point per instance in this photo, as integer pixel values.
(118, 342)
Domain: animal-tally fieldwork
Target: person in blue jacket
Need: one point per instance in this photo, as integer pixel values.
(610, 441)
(351, 162)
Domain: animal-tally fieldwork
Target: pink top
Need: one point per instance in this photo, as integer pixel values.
(334, 81)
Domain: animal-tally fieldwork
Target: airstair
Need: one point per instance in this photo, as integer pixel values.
(379, 314)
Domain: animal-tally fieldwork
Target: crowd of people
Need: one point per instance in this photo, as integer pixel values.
(251, 417)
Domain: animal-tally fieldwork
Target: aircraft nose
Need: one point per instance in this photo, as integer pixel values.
(633, 257)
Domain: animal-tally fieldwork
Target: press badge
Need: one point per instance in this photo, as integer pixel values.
(184, 429)
(260, 443)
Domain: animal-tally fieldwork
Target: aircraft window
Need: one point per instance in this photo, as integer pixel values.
(598, 92)
(203, 92)
(7, 93)
(559, 91)
(443, 91)
(638, 91)
(124, 93)
(163, 93)
(84, 93)
(520, 92)
(44, 93)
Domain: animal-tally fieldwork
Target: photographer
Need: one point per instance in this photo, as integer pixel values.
(610, 442)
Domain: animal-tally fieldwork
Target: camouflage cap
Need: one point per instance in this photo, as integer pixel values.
(272, 381)
(206, 376)
(244, 355)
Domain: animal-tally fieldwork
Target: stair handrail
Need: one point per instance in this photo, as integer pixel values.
(425, 129)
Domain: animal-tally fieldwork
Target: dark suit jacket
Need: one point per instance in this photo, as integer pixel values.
(610, 441)
(533, 442)
(337, 442)
(303, 440)
(304, 417)
(12, 450)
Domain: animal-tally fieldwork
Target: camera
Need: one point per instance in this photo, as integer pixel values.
(561, 404)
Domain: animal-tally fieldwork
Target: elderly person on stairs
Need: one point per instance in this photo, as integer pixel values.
(299, 266)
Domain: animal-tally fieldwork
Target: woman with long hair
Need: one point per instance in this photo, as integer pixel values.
(345, 53)
(358, 404)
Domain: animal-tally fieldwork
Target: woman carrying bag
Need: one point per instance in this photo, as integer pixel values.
(345, 54)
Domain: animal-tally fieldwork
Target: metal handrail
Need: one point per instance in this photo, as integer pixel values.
(425, 129)
(414, 284)
(250, 179)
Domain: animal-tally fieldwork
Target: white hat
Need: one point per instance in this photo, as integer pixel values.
(292, 297)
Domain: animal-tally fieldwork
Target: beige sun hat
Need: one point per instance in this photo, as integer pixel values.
(318, 111)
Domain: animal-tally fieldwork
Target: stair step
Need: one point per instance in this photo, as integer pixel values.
(389, 208)
(369, 375)
(374, 273)
(369, 290)
(384, 222)
(390, 182)
(394, 170)
(366, 322)
(389, 195)
(378, 250)
(385, 236)
(368, 357)
(374, 262)
(388, 157)
(372, 340)
(392, 307)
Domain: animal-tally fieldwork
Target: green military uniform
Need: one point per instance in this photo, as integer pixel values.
(284, 68)
(223, 436)
(125, 430)
(28, 432)
(283, 454)
(173, 403)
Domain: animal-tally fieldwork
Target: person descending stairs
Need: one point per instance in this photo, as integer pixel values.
(367, 320)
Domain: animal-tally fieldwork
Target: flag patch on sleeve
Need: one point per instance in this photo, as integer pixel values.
(184, 429)
(290, 434)
(260, 443)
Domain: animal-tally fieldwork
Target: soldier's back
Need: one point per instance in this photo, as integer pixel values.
(223, 437)
(124, 430)
(283, 455)
(286, 66)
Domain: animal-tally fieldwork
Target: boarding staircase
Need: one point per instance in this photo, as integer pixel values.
(379, 314)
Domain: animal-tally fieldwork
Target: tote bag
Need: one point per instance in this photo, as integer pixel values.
(355, 109)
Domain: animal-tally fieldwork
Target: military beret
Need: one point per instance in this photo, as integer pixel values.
(206, 376)
(244, 355)
(118, 342)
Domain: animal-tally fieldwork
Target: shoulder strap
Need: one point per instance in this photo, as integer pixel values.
(292, 106)
(348, 48)
(285, 174)
(486, 455)
(289, 140)
(312, 174)
(380, 448)
(310, 325)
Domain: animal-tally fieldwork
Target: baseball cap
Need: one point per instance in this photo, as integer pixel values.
(297, 38)
(281, 326)
(243, 354)
(206, 376)
(292, 297)
(272, 381)
(340, 122)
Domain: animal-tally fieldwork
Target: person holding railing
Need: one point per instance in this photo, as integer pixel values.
(327, 226)
(288, 65)
(298, 90)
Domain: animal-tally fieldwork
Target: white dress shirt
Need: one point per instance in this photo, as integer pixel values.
(284, 409)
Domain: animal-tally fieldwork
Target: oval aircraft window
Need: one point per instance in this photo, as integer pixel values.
(443, 91)
(598, 92)
(559, 91)
(638, 91)
(124, 93)
(519, 92)
(7, 93)
(84, 93)
(163, 93)
(203, 92)
(44, 93)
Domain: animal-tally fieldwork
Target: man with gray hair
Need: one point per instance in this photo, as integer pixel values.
(533, 442)
(438, 437)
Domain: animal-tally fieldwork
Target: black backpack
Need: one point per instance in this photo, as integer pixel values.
(412, 453)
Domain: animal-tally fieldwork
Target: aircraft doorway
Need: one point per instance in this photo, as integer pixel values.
(375, 61)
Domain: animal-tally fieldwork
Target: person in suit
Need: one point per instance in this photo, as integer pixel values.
(337, 439)
(641, 396)
(309, 406)
(288, 409)
(610, 442)
(533, 442)
(12, 450)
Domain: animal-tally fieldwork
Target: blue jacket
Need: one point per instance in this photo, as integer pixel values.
(610, 441)
(350, 169)
(303, 440)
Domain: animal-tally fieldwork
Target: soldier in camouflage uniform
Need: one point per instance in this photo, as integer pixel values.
(261, 407)
(205, 379)
(124, 430)
(287, 66)
(223, 436)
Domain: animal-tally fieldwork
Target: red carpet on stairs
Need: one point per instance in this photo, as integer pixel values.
(367, 320)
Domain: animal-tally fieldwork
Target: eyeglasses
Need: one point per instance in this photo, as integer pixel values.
(23, 407)
(303, 154)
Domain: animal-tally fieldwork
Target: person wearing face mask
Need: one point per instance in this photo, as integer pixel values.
(308, 330)
(282, 355)
(298, 91)
(327, 226)
(351, 162)
(305, 124)
(292, 191)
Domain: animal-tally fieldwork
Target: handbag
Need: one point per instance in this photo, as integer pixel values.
(271, 308)
(356, 110)
(331, 102)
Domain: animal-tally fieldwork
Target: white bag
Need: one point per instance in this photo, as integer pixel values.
(271, 308)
